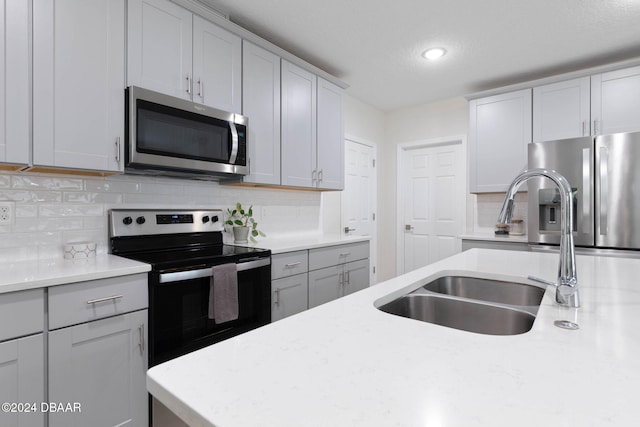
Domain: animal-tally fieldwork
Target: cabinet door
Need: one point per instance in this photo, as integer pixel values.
(356, 276)
(298, 166)
(101, 365)
(14, 82)
(326, 285)
(261, 103)
(562, 110)
(289, 296)
(22, 379)
(499, 131)
(78, 83)
(217, 66)
(615, 101)
(159, 47)
(330, 136)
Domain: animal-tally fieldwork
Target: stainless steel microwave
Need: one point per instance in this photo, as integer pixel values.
(175, 137)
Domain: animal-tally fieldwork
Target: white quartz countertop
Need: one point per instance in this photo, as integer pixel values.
(492, 237)
(346, 363)
(301, 241)
(22, 275)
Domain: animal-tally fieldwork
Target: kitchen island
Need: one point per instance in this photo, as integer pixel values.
(346, 363)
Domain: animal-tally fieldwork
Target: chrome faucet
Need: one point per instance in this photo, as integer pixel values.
(567, 284)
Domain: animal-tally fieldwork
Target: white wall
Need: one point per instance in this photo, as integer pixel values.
(441, 119)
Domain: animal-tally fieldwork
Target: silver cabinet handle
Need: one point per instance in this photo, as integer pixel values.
(595, 127)
(234, 143)
(320, 176)
(276, 297)
(141, 332)
(291, 265)
(200, 88)
(348, 277)
(584, 128)
(118, 150)
(188, 84)
(604, 189)
(314, 177)
(344, 254)
(97, 300)
(347, 230)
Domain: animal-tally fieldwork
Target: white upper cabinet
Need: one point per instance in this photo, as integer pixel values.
(261, 103)
(14, 83)
(159, 43)
(499, 131)
(312, 130)
(217, 66)
(298, 126)
(562, 110)
(78, 84)
(615, 101)
(172, 51)
(330, 136)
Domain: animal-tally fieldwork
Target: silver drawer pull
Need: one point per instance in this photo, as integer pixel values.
(344, 254)
(97, 300)
(291, 265)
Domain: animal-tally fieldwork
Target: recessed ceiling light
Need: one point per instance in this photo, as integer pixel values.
(434, 53)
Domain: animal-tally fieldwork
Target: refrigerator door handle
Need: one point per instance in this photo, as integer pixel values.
(586, 185)
(604, 189)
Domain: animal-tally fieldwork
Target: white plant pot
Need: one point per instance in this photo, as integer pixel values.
(241, 234)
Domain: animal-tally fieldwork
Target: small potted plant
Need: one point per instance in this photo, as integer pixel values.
(244, 225)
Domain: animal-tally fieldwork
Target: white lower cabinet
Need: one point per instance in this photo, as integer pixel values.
(100, 366)
(289, 296)
(308, 278)
(22, 381)
(98, 352)
(337, 281)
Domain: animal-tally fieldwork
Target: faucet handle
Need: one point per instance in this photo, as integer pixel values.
(543, 281)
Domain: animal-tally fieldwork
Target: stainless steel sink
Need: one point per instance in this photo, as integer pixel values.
(471, 304)
(465, 315)
(487, 290)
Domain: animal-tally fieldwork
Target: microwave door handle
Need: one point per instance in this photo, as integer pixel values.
(234, 143)
(179, 276)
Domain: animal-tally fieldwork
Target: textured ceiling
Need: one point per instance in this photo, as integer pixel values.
(375, 45)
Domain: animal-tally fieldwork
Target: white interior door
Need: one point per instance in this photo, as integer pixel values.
(431, 190)
(359, 195)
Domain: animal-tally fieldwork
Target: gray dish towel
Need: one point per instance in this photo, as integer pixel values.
(223, 293)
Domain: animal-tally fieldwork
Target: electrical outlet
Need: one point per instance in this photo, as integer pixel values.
(7, 213)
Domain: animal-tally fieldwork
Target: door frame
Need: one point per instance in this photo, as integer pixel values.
(402, 150)
(373, 242)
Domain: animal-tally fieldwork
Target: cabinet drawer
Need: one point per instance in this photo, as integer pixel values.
(289, 264)
(339, 254)
(21, 313)
(85, 301)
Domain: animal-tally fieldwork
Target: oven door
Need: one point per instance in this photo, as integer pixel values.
(179, 303)
(172, 133)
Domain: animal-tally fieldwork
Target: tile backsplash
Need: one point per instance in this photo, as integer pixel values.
(487, 208)
(51, 210)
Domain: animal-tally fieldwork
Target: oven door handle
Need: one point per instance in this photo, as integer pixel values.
(179, 276)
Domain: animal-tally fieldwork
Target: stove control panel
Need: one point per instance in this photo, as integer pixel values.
(136, 222)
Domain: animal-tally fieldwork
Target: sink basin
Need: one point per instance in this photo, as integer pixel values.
(487, 290)
(460, 314)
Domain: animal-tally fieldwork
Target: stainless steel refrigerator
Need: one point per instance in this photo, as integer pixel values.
(604, 172)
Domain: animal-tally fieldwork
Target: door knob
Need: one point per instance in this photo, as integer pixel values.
(347, 230)
(408, 227)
